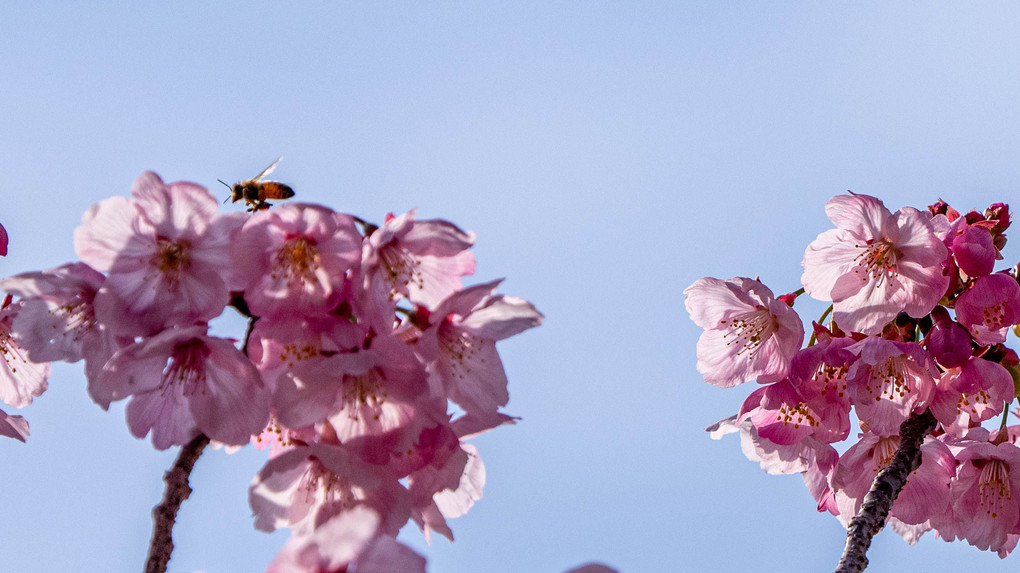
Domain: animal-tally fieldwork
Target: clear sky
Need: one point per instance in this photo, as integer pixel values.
(606, 156)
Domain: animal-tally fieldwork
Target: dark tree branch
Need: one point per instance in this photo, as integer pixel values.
(879, 501)
(165, 514)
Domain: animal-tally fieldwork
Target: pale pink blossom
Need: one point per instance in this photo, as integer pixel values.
(875, 264)
(183, 382)
(970, 394)
(989, 307)
(21, 379)
(165, 252)
(290, 351)
(58, 319)
(888, 381)
(986, 504)
(422, 261)
(748, 332)
(447, 490)
(330, 547)
(294, 259)
(461, 338)
(306, 485)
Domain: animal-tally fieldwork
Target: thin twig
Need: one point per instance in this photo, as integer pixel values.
(879, 501)
(165, 514)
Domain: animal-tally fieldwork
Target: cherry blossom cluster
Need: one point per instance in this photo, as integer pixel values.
(365, 368)
(919, 322)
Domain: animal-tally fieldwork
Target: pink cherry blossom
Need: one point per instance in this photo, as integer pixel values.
(290, 352)
(184, 382)
(461, 338)
(308, 484)
(748, 332)
(166, 254)
(774, 459)
(875, 264)
(986, 507)
(970, 394)
(58, 320)
(990, 307)
(422, 261)
(888, 382)
(294, 259)
(451, 490)
(20, 379)
(329, 548)
(783, 415)
(926, 494)
(3, 241)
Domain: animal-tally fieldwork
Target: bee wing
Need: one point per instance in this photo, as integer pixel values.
(266, 171)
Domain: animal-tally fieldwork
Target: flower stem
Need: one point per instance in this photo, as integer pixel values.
(887, 485)
(165, 514)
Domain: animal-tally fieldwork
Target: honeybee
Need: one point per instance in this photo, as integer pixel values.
(255, 191)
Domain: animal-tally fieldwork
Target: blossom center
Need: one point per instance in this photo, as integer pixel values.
(883, 452)
(796, 414)
(185, 371)
(876, 260)
(364, 395)
(993, 487)
(297, 261)
(459, 348)
(402, 270)
(995, 316)
(318, 482)
(172, 259)
(750, 330)
(892, 379)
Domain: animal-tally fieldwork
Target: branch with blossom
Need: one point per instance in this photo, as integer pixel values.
(366, 368)
(915, 349)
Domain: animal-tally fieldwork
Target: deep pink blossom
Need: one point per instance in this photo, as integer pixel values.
(948, 341)
(748, 332)
(165, 252)
(3, 241)
(783, 415)
(422, 261)
(990, 307)
(184, 382)
(970, 394)
(875, 264)
(294, 259)
(974, 250)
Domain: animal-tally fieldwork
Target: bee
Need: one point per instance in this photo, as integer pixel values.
(255, 191)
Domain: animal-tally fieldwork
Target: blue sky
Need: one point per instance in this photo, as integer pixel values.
(606, 156)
